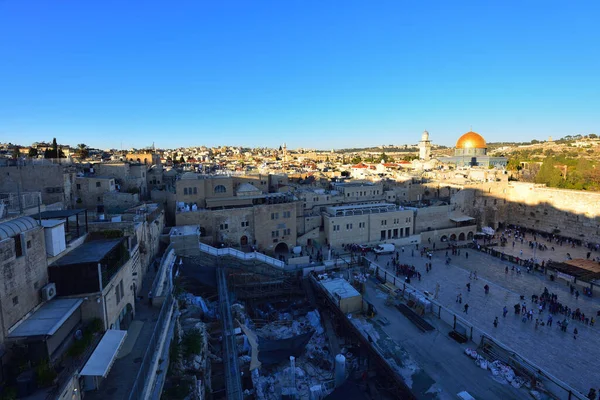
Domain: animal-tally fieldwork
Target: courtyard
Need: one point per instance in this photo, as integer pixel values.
(574, 361)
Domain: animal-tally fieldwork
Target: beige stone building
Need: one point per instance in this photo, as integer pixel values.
(234, 212)
(89, 191)
(367, 223)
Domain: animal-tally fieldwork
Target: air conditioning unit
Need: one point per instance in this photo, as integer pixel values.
(48, 292)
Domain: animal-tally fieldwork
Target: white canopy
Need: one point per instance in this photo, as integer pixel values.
(105, 353)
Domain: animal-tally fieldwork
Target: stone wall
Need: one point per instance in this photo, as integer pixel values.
(571, 213)
(21, 277)
(116, 202)
(48, 179)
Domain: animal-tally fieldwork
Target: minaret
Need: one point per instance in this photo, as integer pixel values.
(425, 147)
(284, 153)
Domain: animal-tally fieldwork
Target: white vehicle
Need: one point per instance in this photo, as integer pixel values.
(385, 248)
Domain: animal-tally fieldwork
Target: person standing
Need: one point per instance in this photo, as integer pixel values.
(549, 322)
(468, 286)
(504, 312)
(496, 322)
(466, 308)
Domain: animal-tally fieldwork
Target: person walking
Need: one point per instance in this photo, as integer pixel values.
(468, 286)
(549, 321)
(496, 322)
(575, 333)
(466, 308)
(486, 288)
(459, 298)
(504, 312)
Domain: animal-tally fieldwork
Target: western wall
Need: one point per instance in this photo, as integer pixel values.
(570, 213)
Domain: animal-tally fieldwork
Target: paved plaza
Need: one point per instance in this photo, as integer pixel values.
(574, 361)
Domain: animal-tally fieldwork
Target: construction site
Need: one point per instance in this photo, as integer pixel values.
(337, 331)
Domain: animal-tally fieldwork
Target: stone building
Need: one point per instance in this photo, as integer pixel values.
(52, 180)
(23, 267)
(367, 223)
(90, 190)
(234, 212)
(129, 177)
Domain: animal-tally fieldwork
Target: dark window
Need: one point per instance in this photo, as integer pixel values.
(185, 191)
(220, 189)
(18, 246)
(98, 184)
(78, 186)
(15, 300)
(29, 244)
(195, 190)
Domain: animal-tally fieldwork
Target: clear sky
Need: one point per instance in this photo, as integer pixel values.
(317, 74)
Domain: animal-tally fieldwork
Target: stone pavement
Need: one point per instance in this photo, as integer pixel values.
(558, 254)
(121, 377)
(574, 361)
(442, 358)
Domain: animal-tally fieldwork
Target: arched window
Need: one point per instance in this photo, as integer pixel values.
(185, 191)
(220, 189)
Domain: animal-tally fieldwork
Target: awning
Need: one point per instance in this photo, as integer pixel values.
(461, 218)
(105, 354)
(47, 319)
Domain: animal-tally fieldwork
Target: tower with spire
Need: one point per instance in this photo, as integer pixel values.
(425, 147)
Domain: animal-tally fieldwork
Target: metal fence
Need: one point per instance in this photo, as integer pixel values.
(553, 385)
(137, 391)
(227, 251)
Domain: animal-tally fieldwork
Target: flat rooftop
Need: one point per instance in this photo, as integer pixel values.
(340, 287)
(90, 252)
(47, 319)
(59, 214)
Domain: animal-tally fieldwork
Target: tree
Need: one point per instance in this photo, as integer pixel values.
(181, 160)
(82, 150)
(356, 160)
(33, 152)
(54, 152)
(16, 153)
(593, 136)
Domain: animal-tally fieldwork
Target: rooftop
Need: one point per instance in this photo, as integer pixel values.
(340, 287)
(90, 252)
(47, 319)
(15, 226)
(59, 214)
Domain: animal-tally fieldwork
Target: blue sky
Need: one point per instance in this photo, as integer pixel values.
(317, 74)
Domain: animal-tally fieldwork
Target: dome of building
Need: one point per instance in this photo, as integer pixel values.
(425, 136)
(471, 140)
(247, 189)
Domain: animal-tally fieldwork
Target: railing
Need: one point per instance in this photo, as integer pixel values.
(227, 251)
(165, 264)
(555, 386)
(137, 391)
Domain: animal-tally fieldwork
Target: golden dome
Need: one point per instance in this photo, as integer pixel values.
(471, 140)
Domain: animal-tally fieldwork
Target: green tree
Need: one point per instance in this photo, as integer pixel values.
(356, 160)
(33, 152)
(82, 150)
(593, 136)
(16, 153)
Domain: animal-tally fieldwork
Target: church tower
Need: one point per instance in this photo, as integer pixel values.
(425, 147)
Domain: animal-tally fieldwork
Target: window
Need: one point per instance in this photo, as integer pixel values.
(119, 291)
(407, 231)
(15, 300)
(384, 222)
(224, 226)
(99, 199)
(382, 237)
(274, 234)
(195, 190)
(348, 226)
(220, 189)
(336, 228)
(286, 214)
(185, 192)
(274, 215)
(361, 224)
(29, 244)
(78, 186)
(245, 224)
(98, 184)
(287, 232)
(395, 233)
